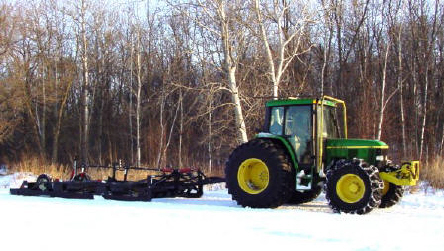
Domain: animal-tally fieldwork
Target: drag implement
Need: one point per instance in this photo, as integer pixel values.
(167, 182)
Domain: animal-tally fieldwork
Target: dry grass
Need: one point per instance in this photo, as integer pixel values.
(433, 173)
(37, 166)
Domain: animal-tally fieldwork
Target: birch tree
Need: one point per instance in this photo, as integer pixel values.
(79, 16)
(219, 19)
(138, 94)
(383, 101)
(274, 22)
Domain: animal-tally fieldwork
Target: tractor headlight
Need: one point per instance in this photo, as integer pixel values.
(379, 157)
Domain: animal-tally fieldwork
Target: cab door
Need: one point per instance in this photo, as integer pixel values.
(298, 129)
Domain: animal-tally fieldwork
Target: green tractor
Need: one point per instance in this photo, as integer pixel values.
(302, 149)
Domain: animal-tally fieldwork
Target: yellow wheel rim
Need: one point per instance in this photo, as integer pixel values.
(253, 176)
(386, 188)
(350, 188)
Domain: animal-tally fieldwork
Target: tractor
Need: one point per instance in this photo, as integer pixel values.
(303, 149)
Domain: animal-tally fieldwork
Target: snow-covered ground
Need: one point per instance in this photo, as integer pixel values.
(213, 222)
(3, 169)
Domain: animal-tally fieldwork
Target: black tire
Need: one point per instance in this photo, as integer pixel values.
(299, 197)
(278, 189)
(43, 182)
(392, 196)
(368, 188)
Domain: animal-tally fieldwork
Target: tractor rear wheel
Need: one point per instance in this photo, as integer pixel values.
(353, 186)
(258, 174)
(391, 194)
(305, 196)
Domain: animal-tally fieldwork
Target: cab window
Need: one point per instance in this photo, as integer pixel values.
(276, 120)
(330, 123)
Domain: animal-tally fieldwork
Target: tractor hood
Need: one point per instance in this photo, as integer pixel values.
(371, 151)
(355, 144)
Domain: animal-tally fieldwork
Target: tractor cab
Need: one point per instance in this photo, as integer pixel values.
(305, 125)
(295, 124)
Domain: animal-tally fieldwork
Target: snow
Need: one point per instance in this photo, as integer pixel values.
(15, 180)
(214, 222)
(3, 169)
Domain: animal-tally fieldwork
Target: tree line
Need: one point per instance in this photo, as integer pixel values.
(182, 82)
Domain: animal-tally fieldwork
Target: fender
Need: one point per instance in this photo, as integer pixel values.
(284, 142)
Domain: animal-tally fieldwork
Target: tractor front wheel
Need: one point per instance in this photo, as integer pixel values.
(353, 186)
(258, 174)
(391, 194)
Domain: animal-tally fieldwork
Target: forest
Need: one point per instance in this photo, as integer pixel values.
(182, 82)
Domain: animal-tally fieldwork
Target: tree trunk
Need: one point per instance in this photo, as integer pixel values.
(241, 128)
(100, 127)
(415, 144)
(162, 131)
(28, 104)
(130, 117)
(59, 122)
(326, 59)
(270, 62)
(55, 142)
(401, 95)
(170, 134)
(85, 91)
(424, 118)
(338, 21)
(43, 122)
(138, 96)
(210, 134)
(180, 127)
(382, 100)
(230, 70)
(442, 141)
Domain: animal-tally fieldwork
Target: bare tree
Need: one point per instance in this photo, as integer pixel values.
(327, 43)
(64, 75)
(80, 18)
(230, 62)
(383, 101)
(7, 28)
(138, 95)
(218, 19)
(289, 33)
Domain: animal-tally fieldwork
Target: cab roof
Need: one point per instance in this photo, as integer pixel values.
(300, 101)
